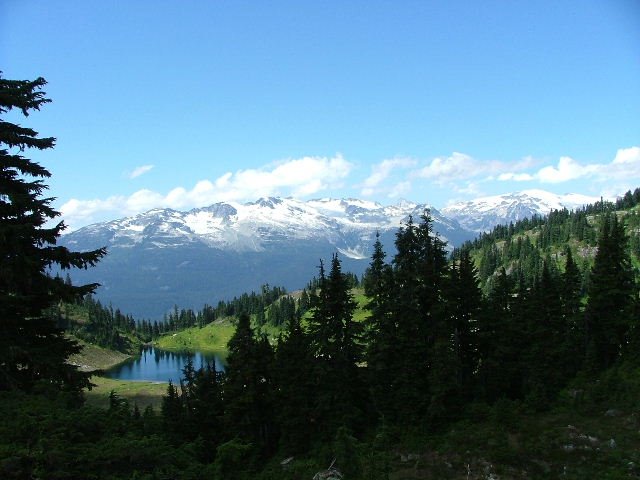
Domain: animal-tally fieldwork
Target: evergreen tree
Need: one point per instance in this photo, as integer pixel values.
(248, 387)
(208, 408)
(295, 390)
(501, 333)
(410, 363)
(570, 292)
(419, 270)
(547, 333)
(172, 414)
(32, 348)
(381, 354)
(464, 304)
(335, 339)
(610, 296)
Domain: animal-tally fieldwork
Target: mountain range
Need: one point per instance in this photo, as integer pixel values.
(166, 257)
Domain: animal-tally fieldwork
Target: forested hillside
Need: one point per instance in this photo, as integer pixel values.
(442, 344)
(437, 367)
(523, 247)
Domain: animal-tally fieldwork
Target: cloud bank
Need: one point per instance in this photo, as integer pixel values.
(459, 174)
(295, 177)
(624, 166)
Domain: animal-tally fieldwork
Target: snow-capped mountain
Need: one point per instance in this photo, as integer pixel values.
(348, 224)
(482, 214)
(164, 257)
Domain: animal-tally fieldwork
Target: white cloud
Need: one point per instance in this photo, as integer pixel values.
(459, 172)
(296, 177)
(459, 166)
(140, 171)
(470, 188)
(624, 166)
(382, 170)
(567, 169)
(455, 167)
(516, 177)
(400, 189)
(627, 156)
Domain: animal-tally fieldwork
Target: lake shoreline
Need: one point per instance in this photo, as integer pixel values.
(161, 365)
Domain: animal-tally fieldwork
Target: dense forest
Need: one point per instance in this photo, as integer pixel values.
(87, 319)
(534, 320)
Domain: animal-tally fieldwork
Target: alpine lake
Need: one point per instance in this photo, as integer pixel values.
(155, 365)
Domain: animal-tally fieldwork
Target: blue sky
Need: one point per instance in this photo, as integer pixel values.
(184, 103)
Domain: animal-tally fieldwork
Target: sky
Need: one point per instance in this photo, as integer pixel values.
(182, 104)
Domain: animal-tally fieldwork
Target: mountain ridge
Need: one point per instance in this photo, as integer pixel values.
(165, 257)
(483, 213)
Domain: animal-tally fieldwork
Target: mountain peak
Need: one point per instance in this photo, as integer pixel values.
(484, 213)
(164, 257)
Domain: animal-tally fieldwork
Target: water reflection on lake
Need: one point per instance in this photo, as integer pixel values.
(161, 366)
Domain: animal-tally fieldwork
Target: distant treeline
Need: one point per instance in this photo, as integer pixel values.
(90, 320)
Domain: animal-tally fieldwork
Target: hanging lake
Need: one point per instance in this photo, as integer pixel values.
(161, 366)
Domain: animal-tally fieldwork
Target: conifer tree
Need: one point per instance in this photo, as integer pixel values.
(570, 292)
(500, 336)
(464, 304)
(547, 333)
(610, 296)
(381, 354)
(336, 343)
(208, 408)
(410, 363)
(172, 414)
(248, 386)
(419, 269)
(295, 390)
(32, 348)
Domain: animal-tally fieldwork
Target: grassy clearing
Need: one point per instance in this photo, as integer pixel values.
(93, 357)
(140, 393)
(212, 338)
(361, 313)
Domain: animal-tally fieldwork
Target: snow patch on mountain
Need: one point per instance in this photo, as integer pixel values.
(482, 214)
(348, 224)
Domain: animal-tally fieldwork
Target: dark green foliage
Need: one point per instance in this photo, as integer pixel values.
(172, 413)
(464, 307)
(232, 460)
(346, 454)
(42, 437)
(295, 392)
(501, 337)
(547, 335)
(281, 311)
(271, 305)
(381, 332)
(248, 388)
(611, 290)
(434, 348)
(32, 347)
(208, 409)
(103, 326)
(419, 270)
(335, 341)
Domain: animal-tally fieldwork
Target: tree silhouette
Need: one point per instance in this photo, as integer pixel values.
(32, 347)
